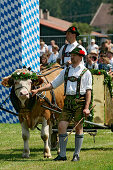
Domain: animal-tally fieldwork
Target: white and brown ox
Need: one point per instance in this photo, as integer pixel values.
(29, 108)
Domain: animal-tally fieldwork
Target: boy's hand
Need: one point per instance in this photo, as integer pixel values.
(34, 92)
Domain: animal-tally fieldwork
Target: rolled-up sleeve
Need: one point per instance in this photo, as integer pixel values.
(58, 80)
(88, 80)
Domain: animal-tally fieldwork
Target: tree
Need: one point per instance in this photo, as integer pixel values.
(73, 10)
(84, 28)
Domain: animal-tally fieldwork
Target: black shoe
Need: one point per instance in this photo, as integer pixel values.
(75, 158)
(59, 158)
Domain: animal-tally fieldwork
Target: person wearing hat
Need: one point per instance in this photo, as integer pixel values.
(93, 46)
(71, 36)
(77, 81)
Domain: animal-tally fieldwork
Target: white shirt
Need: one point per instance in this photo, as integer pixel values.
(86, 80)
(53, 57)
(50, 48)
(93, 47)
(69, 48)
(111, 63)
(42, 51)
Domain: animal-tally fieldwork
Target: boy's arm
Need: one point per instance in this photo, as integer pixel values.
(86, 110)
(44, 88)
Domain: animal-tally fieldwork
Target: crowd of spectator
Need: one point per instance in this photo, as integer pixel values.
(98, 57)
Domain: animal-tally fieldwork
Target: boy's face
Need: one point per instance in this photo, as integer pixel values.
(75, 58)
(69, 36)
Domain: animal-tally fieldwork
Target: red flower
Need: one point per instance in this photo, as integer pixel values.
(23, 73)
(99, 72)
(81, 52)
(73, 28)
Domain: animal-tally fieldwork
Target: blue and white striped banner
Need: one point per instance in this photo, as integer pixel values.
(19, 43)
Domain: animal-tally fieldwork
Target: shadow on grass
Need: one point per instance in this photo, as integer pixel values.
(11, 155)
(101, 149)
(15, 155)
(87, 149)
(18, 158)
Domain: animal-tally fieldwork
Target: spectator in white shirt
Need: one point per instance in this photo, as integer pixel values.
(93, 46)
(41, 40)
(43, 48)
(50, 46)
(53, 57)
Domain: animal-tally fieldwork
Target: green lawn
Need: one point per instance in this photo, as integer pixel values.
(93, 156)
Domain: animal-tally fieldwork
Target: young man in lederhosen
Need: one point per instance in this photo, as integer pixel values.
(77, 89)
(71, 36)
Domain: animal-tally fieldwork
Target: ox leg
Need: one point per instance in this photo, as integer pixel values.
(25, 136)
(45, 137)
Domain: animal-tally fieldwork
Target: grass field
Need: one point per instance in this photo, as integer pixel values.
(93, 156)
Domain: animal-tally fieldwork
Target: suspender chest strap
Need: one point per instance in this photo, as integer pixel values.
(73, 79)
(63, 52)
(66, 79)
(79, 82)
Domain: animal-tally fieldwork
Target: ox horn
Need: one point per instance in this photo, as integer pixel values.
(5, 81)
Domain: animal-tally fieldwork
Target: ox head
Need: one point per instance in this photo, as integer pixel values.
(22, 81)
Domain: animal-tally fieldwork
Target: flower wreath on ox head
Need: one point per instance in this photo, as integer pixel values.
(24, 74)
(21, 74)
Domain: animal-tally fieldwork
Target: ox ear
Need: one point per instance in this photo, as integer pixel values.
(37, 82)
(7, 81)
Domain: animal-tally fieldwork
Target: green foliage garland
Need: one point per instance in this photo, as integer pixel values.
(24, 76)
(107, 78)
(50, 65)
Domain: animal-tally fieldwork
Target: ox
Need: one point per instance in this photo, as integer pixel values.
(29, 108)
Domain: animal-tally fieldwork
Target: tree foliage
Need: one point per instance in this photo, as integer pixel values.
(73, 10)
(84, 28)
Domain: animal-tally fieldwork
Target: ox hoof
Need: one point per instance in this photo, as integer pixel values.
(47, 153)
(47, 156)
(25, 155)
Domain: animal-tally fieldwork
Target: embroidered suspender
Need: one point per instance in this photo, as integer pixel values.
(79, 82)
(66, 79)
(72, 78)
(63, 53)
